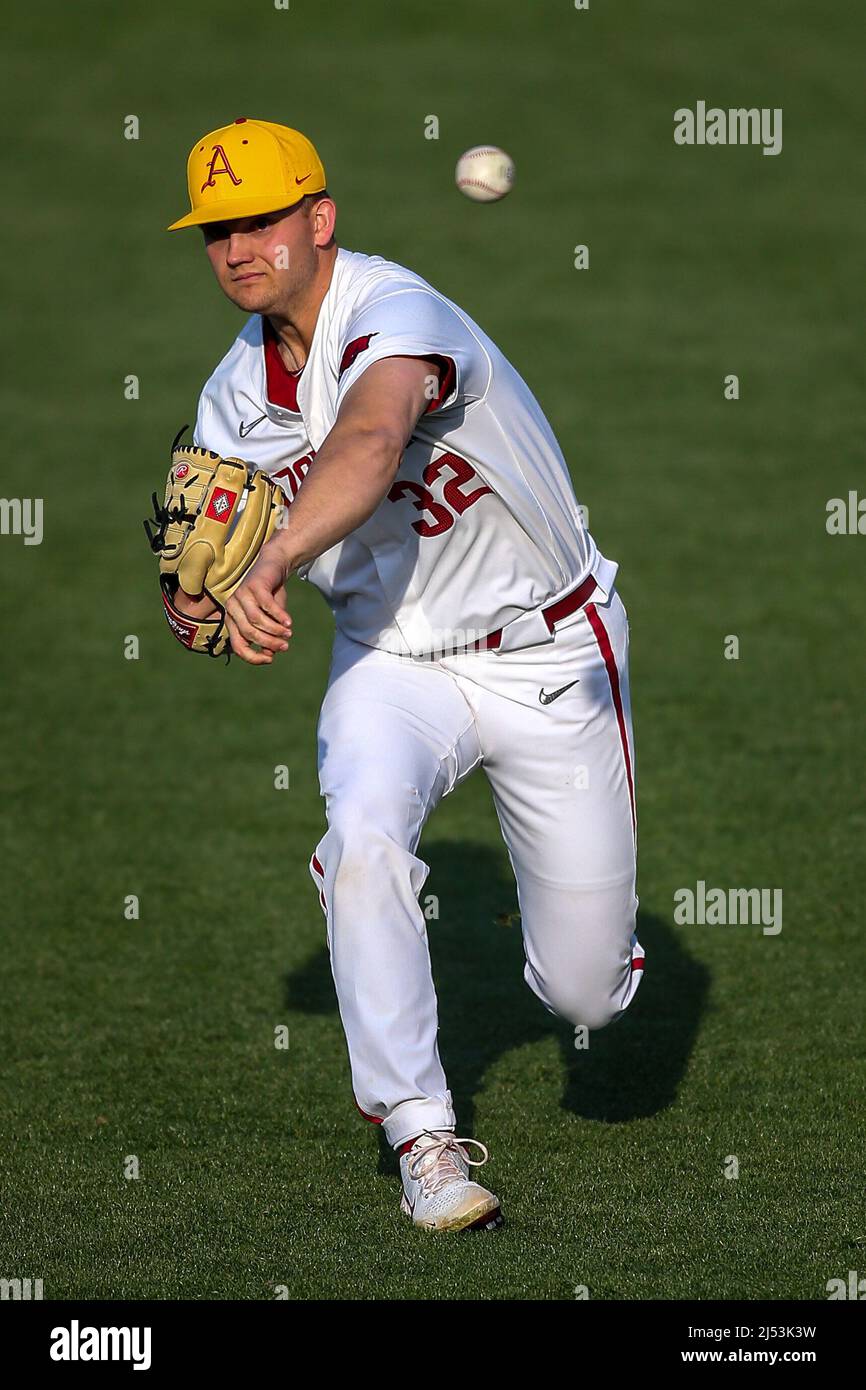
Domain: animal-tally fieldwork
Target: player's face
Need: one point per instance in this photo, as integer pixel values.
(263, 263)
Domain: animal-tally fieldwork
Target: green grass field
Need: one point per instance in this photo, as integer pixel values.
(155, 776)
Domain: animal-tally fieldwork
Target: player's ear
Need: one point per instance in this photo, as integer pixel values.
(324, 222)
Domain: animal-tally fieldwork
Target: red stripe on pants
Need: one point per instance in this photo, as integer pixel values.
(314, 864)
(374, 1119)
(606, 650)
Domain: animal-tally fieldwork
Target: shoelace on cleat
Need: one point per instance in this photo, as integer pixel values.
(436, 1165)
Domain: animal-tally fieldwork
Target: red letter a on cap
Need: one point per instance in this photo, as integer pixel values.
(224, 168)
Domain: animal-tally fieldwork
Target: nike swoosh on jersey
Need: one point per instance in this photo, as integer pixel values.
(547, 698)
(244, 430)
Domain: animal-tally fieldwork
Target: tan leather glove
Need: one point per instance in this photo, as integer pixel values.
(216, 516)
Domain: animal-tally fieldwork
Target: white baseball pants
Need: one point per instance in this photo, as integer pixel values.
(396, 734)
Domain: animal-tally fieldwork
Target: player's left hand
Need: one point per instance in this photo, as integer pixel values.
(256, 612)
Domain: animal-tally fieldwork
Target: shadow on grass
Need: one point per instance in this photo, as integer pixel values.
(630, 1070)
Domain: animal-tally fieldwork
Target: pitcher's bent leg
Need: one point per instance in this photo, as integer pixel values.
(562, 774)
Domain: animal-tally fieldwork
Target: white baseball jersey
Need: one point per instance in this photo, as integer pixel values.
(480, 529)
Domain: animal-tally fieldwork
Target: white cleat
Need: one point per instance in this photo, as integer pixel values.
(438, 1193)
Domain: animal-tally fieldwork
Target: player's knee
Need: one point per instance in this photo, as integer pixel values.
(362, 852)
(577, 998)
(583, 1008)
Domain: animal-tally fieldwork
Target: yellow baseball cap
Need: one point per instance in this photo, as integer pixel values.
(246, 168)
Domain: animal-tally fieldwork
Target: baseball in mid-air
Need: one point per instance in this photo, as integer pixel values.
(485, 173)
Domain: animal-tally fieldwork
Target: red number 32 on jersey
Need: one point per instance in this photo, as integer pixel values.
(453, 493)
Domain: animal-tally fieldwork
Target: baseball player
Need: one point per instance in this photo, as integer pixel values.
(477, 625)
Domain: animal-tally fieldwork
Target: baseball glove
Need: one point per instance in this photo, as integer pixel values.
(216, 516)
